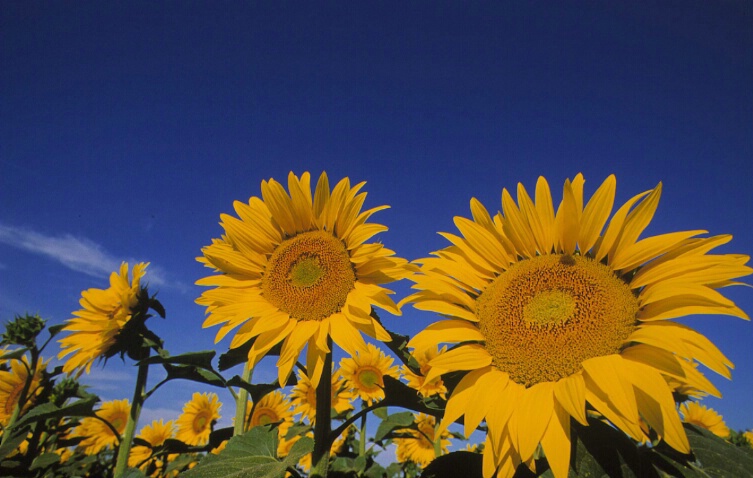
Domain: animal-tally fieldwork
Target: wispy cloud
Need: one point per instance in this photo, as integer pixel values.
(77, 253)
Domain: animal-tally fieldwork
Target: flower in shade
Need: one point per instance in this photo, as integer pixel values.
(12, 383)
(418, 382)
(98, 435)
(556, 309)
(296, 268)
(199, 415)
(704, 417)
(418, 444)
(94, 329)
(303, 397)
(155, 434)
(273, 407)
(365, 372)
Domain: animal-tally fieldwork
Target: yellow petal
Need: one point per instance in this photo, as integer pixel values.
(461, 396)
(609, 239)
(545, 212)
(607, 373)
(446, 331)
(596, 214)
(641, 252)
(516, 228)
(570, 393)
(345, 335)
(292, 348)
(637, 221)
(533, 414)
(464, 357)
(567, 220)
(556, 442)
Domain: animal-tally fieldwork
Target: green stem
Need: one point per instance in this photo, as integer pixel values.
(322, 443)
(241, 402)
(362, 434)
(437, 440)
(139, 395)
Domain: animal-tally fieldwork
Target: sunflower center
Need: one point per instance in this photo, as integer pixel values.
(309, 276)
(118, 422)
(369, 378)
(544, 316)
(200, 422)
(264, 417)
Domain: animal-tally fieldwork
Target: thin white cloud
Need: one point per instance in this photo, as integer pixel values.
(77, 253)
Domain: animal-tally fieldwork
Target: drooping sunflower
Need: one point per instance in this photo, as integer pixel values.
(303, 397)
(155, 434)
(419, 446)
(418, 382)
(12, 382)
(94, 328)
(297, 269)
(273, 407)
(199, 415)
(365, 372)
(99, 436)
(559, 311)
(704, 417)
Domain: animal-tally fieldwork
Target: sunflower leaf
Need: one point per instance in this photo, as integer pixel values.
(198, 359)
(392, 422)
(79, 408)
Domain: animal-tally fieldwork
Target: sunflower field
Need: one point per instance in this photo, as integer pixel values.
(555, 341)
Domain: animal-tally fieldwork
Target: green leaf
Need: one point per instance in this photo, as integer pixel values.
(55, 329)
(257, 391)
(195, 374)
(396, 420)
(239, 355)
(251, 455)
(79, 408)
(44, 460)
(201, 359)
(133, 473)
(14, 354)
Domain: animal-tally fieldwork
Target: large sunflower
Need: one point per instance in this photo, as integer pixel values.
(303, 397)
(704, 417)
(105, 312)
(296, 269)
(98, 435)
(365, 372)
(557, 312)
(12, 382)
(199, 415)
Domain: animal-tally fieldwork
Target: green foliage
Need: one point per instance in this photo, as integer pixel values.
(23, 330)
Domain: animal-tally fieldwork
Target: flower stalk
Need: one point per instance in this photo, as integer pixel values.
(320, 455)
(139, 395)
(241, 402)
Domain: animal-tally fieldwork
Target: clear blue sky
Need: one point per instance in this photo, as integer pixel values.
(126, 128)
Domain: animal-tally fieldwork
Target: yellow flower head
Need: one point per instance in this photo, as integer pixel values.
(303, 397)
(296, 269)
(273, 407)
(555, 309)
(198, 417)
(418, 382)
(704, 417)
(418, 447)
(154, 434)
(12, 383)
(365, 372)
(98, 435)
(748, 434)
(94, 329)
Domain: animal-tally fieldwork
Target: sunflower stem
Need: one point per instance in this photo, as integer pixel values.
(320, 455)
(241, 402)
(139, 395)
(437, 439)
(362, 434)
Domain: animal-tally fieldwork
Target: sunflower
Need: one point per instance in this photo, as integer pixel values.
(296, 269)
(418, 447)
(704, 417)
(97, 435)
(155, 434)
(553, 312)
(12, 382)
(94, 329)
(273, 407)
(303, 397)
(418, 382)
(748, 434)
(198, 417)
(365, 372)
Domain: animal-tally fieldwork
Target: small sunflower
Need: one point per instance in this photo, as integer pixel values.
(155, 434)
(273, 407)
(303, 397)
(99, 436)
(199, 415)
(365, 372)
(419, 446)
(297, 269)
(748, 434)
(704, 417)
(556, 310)
(12, 382)
(418, 382)
(94, 329)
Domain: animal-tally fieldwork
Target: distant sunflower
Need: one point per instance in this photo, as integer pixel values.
(273, 407)
(296, 269)
(365, 372)
(748, 434)
(199, 415)
(98, 435)
(418, 382)
(303, 397)
(704, 417)
(105, 312)
(418, 447)
(552, 312)
(155, 434)
(12, 382)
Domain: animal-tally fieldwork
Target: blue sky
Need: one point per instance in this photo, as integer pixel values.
(127, 128)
